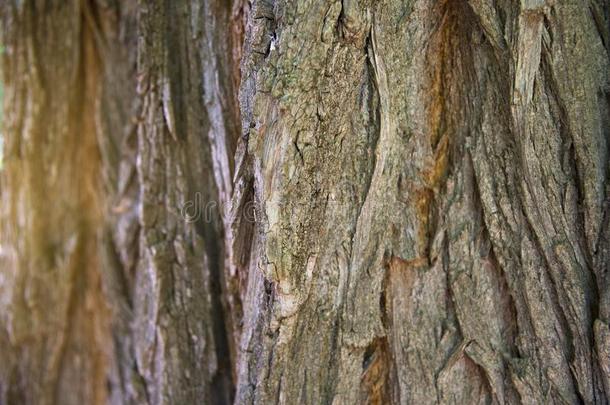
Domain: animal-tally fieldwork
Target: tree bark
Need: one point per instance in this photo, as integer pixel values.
(317, 202)
(182, 325)
(55, 321)
(431, 180)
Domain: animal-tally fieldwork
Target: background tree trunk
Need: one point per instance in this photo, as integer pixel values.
(305, 202)
(189, 126)
(55, 322)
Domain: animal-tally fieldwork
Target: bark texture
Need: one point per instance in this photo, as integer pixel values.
(54, 316)
(431, 179)
(317, 202)
(181, 323)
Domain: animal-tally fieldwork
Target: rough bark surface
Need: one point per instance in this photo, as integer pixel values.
(317, 202)
(431, 181)
(185, 143)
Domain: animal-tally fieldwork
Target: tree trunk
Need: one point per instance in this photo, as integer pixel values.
(317, 202)
(431, 181)
(55, 321)
(182, 327)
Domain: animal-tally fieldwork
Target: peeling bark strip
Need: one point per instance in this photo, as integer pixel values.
(411, 202)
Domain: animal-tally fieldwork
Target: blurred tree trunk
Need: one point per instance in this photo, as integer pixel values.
(407, 204)
(189, 124)
(101, 161)
(55, 321)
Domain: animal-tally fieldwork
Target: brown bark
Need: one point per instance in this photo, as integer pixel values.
(55, 319)
(185, 145)
(396, 202)
(432, 182)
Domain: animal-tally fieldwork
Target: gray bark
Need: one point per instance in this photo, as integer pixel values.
(182, 324)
